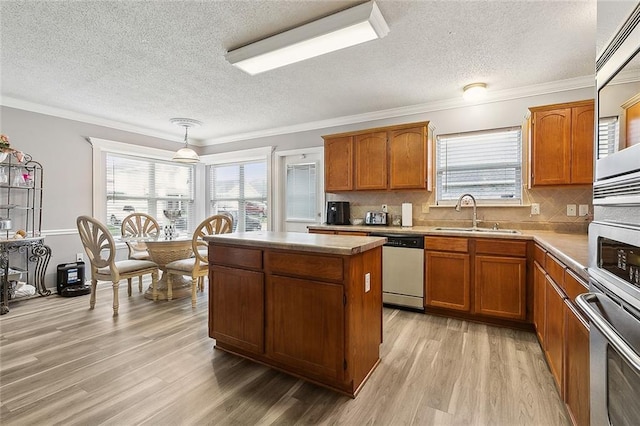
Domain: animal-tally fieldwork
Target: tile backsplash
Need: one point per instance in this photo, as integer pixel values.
(553, 208)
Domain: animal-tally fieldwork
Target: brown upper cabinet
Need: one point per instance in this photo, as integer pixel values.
(396, 157)
(562, 144)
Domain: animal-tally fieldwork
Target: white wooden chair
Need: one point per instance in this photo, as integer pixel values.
(101, 251)
(138, 224)
(198, 266)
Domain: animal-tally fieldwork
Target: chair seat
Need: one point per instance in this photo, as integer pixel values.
(127, 266)
(185, 265)
(142, 255)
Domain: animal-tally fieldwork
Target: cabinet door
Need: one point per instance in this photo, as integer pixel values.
(371, 160)
(539, 301)
(305, 325)
(236, 313)
(551, 147)
(577, 367)
(500, 287)
(408, 158)
(554, 333)
(338, 164)
(447, 280)
(582, 123)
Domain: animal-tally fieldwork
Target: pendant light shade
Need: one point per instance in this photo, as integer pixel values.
(186, 154)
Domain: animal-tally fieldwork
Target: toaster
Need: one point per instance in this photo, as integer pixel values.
(375, 218)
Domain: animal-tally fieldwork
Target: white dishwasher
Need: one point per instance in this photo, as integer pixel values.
(403, 271)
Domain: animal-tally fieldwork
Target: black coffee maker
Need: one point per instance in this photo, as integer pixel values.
(337, 213)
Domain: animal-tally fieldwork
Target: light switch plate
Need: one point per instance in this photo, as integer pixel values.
(571, 209)
(583, 209)
(367, 282)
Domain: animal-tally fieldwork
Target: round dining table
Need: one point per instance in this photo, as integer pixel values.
(162, 251)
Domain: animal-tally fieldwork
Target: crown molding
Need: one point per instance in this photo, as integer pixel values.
(492, 97)
(84, 118)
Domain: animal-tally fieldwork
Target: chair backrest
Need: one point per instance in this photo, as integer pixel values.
(139, 224)
(98, 242)
(216, 224)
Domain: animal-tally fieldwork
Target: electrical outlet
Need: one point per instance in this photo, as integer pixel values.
(367, 282)
(79, 257)
(583, 209)
(385, 208)
(535, 208)
(571, 209)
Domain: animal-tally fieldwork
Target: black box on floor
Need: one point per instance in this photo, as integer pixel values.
(71, 280)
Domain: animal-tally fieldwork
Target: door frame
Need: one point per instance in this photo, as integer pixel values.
(279, 184)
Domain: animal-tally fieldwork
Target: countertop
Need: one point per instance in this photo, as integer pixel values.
(318, 243)
(570, 249)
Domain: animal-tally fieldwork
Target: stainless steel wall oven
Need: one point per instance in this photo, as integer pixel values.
(613, 302)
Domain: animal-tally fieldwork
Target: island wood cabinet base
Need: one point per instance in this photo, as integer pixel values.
(316, 316)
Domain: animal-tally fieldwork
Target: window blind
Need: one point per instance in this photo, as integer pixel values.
(147, 186)
(240, 189)
(301, 194)
(608, 135)
(486, 164)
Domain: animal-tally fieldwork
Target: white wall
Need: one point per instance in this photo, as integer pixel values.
(60, 146)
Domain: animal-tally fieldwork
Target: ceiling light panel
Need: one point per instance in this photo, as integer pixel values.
(343, 29)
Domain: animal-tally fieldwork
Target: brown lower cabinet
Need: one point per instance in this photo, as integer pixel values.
(306, 313)
(480, 276)
(563, 332)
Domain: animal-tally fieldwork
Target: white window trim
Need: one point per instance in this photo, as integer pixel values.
(256, 154)
(495, 202)
(103, 146)
(279, 182)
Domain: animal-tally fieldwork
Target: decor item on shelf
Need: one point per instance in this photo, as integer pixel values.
(474, 91)
(186, 154)
(5, 224)
(5, 149)
(347, 28)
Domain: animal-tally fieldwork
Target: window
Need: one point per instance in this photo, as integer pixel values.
(241, 190)
(608, 136)
(147, 186)
(486, 164)
(301, 192)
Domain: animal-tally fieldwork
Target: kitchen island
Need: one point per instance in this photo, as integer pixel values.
(306, 304)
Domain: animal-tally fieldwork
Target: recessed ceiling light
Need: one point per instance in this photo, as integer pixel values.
(474, 91)
(343, 29)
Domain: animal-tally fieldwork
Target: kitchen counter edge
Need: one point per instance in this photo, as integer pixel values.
(317, 243)
(570, 249)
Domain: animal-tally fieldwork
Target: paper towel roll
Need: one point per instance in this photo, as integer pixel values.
(407, 214)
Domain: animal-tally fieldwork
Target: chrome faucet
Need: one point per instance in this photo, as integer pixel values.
(475, 208)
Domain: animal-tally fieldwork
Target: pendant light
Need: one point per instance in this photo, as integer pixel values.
(186, 154)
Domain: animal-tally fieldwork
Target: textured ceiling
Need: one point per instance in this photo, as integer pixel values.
(140, 63)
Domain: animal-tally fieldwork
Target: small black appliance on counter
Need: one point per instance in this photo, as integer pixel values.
(338, 213)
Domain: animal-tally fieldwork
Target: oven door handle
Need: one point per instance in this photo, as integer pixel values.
(584, 301)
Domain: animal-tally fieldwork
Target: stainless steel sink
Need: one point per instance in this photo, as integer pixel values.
(479, 230)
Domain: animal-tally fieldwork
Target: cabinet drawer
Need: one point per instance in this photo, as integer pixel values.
(555, 269)
(539, 255)
(446, 244)
(573, 285)
(235, 256)
(501, 247)
(318, 267)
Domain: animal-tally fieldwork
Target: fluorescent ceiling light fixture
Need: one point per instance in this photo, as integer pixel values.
(343, 29)
(474, 92)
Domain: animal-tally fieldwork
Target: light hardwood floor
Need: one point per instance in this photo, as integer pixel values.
(61, 363)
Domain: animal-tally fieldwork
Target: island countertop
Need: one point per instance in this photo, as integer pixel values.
(319, 243)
